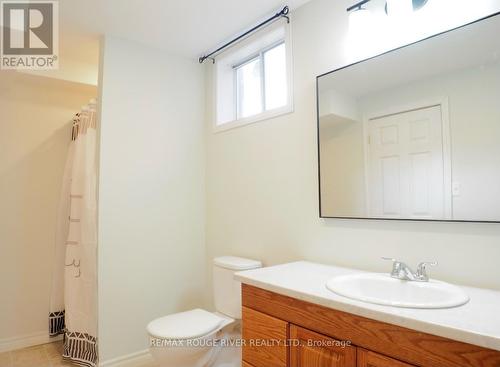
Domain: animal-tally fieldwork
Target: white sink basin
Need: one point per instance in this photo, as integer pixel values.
(382, 289)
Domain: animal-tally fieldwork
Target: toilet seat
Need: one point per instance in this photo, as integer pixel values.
(185, 325)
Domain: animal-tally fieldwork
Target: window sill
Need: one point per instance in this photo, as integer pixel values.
(253, 119)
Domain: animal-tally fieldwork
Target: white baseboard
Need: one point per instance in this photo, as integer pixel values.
(26, 341)
(131, 360)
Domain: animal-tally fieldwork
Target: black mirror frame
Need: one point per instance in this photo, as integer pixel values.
(318, 133)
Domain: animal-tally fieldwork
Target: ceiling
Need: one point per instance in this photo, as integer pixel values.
(185, 28)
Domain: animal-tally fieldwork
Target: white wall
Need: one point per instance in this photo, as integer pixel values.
(35, 132)
(262, 183)
(151, 192)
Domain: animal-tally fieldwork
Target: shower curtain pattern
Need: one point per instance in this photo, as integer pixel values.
(56, 323)
(73, 309)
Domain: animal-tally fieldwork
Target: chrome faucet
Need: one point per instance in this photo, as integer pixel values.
(402, 271)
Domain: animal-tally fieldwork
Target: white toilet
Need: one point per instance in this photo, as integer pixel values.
(200, 338)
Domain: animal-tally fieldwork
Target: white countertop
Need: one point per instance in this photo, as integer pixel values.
(477, 322)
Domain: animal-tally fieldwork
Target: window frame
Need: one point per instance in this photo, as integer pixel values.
(264, 115)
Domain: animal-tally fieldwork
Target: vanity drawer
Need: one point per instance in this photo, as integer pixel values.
(367, 358)
(265, 339)
(310, 349)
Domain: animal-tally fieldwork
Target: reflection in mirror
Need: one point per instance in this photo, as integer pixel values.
(415, 133)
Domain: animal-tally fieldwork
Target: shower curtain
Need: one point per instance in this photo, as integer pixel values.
(73, 304)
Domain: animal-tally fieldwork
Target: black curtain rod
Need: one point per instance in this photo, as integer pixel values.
(282, 14)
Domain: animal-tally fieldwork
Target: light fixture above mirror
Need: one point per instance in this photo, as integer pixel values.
(392, 7)
(403, 7)
(398, 7)
(359, 17)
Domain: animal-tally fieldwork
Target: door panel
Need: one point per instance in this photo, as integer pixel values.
(419, 183)
(406, 165)
(391, 185)
(310, 349)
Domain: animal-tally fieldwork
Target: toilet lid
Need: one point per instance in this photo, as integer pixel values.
(185, 325)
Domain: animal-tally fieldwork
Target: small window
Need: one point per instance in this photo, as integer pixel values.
(253, 80)
(261, 83)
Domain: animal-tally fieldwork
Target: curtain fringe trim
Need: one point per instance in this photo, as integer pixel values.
(81, 349)
(56, 323)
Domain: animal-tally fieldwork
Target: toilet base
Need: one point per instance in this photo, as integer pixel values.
(222, 350)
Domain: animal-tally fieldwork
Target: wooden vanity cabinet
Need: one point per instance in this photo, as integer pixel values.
(281, 331)
(293, 346)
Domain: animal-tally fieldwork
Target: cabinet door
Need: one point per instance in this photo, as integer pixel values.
(310, 349)
(265, 339)
(372, 359)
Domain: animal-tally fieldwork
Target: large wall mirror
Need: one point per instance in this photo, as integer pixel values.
(415, 133)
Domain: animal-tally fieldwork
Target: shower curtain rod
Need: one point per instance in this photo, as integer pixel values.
(282, 14)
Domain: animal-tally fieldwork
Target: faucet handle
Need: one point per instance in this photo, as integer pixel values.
(422, 269)
(396, 266)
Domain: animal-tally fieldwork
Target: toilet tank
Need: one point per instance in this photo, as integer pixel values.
(227, 290)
